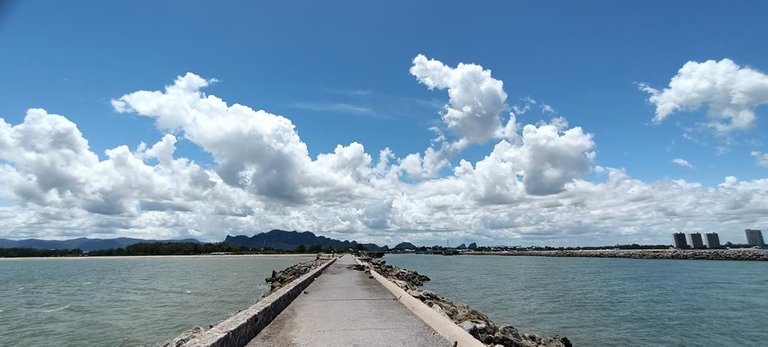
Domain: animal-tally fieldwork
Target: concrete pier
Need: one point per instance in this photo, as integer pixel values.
(345, 307)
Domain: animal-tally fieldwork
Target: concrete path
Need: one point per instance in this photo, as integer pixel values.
(344, 307)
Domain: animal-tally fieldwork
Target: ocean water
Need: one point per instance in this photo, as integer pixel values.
(121, 301)
(609, 302)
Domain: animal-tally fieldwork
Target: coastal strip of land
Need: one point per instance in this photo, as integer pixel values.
(688, 254)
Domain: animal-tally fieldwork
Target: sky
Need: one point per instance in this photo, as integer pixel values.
(496, 122)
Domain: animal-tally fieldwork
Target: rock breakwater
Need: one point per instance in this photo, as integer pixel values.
(689, 254)
(474, 322)
(278, 279)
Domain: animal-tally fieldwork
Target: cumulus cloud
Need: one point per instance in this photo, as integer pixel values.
(476, 100)
(682, 163)
(254, 149)
(529, 188)
(51, 165)
(730, 92)
(474, 114)
(547, 160)
(552, 157)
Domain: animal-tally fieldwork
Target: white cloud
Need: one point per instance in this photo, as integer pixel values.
(476, 100)
(474, 115)
(430, 164)
(528, 189)
(524, 105)
(552, 157)
(682, 163)
(730, 92)
(336, 107)
(52, 166)
(490, 201)
(547, 109)
(761, 158)
(254, 149)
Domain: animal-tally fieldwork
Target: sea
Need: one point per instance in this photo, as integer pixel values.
(125, 301)
(145, 301)
(609, 302)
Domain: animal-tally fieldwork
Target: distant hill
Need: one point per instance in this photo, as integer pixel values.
(290, 240)
(405, 245)
(84, 244)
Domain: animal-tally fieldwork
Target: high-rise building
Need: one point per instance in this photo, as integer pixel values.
(696, 241)
(680, 240)
(713, 241)
(755, 237)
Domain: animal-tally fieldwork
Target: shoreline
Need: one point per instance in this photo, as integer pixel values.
(302, 255)
(676, 254)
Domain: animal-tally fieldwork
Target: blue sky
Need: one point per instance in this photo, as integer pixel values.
(340, 73)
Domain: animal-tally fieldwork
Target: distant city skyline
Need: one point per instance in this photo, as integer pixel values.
(753, 238)
(516, 123)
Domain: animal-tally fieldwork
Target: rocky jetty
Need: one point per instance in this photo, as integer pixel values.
(474, 322)
(287, 275)
(185, 337)
(690, 254)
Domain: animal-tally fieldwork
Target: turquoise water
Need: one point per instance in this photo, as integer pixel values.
(124, 301)
(610, 302)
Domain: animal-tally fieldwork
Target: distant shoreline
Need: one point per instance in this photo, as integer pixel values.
(688, 254)
(302, 255)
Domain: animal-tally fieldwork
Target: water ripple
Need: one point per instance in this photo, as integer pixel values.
(597, 302)
(124, 301)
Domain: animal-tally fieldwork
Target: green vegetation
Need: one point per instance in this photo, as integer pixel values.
(171, 248)
(313, 249)
(584, 248)
(157, 248)
(473, 247)
(34, 252)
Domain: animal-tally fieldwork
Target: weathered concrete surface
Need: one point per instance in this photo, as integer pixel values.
(242, 327)
(345, 307)
(441, 324)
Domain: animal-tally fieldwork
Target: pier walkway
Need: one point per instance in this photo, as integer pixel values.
(344, 307)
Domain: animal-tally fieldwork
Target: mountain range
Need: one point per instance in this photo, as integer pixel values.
(275, 239)
(290, 240)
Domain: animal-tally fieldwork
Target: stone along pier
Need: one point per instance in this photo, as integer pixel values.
(345, 307)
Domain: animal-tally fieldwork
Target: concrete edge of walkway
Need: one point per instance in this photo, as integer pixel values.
(441, 324)
(241, 328)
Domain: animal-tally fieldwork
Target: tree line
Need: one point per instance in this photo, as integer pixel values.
(159, 248)
(34, 252)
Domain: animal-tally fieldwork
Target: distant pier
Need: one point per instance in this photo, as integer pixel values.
(684, 254)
